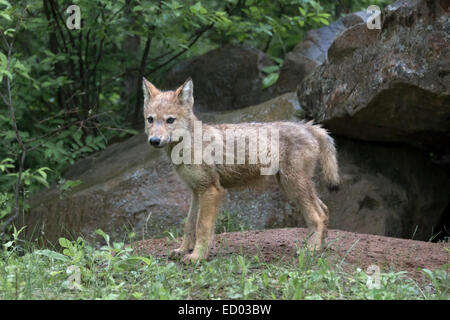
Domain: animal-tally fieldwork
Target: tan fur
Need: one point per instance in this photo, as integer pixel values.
(301, 147)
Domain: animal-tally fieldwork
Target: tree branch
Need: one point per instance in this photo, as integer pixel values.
(197, 36)
(141, 73)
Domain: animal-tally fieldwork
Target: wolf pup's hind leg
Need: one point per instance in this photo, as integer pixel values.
(303, 194)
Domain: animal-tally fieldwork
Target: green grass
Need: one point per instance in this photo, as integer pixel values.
(226, 221)
(229, 222)
(115, 272)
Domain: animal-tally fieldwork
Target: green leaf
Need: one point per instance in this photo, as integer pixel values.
(196, 7)
(63, 242)
(6, 164)
(103, 234)
(325, 15)
(6, 16)
(283, 278)
(3, 60)
(324, 21)
(9, 32)
(68, 252)
(147, 261)
(41, 181)
(131, 263)
(51, 254)
(270, 80)
(8, 244)
(7, 73)
(69, 184)
(302, 11)
(6, 3)
(42, 172)
(429, 273)
(277, 60)
(270, 69)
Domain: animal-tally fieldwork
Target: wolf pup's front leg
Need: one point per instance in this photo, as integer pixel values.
(189, 228)
(209, 201)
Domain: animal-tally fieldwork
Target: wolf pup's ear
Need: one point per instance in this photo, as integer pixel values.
(185, 93)
(150, 91)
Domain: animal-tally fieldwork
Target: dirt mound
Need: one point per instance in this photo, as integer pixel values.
(354, 249)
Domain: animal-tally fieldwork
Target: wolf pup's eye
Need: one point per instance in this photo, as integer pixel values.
(150, 119)
(170, 120)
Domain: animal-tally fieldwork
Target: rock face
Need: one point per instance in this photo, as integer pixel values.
(391, 84)
(225, 79)
(387, 190)
(130, 187)
(312, 51)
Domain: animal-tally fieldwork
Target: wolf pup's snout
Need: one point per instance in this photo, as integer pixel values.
(154, 141)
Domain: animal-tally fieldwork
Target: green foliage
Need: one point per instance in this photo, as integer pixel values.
(272, 73)
(115, 271)
(66, 186)
(6, 203)
(228, 222)
(440, 280)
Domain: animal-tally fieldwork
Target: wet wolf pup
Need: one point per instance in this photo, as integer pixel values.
(299, 147)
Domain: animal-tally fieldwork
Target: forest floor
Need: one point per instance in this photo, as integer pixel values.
(348, 249)
(265, 264)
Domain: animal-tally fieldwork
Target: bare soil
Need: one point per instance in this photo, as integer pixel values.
(353, 249)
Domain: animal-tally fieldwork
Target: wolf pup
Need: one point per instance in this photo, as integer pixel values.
(208, 167)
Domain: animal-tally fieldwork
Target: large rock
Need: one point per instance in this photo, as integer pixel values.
(391, 84)
(388, 190)
(312, 51)
(227, 78)
(129, 186)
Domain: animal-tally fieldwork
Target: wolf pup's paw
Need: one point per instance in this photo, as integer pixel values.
(191, 258)
(177, 253)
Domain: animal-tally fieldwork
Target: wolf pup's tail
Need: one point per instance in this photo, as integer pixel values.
(327, 156)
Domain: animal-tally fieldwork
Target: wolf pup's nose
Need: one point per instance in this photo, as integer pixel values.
(154, 141)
